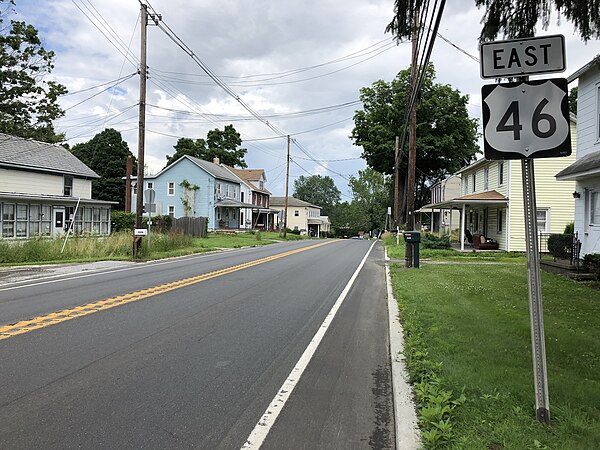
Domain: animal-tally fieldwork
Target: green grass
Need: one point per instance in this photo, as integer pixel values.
(472, 324)
(118, 246)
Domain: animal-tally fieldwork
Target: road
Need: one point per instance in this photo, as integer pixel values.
(191, 352)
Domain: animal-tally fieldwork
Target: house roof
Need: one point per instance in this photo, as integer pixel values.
(249, 176)
(584, 167)
(487, 195)
(594, 62)
(27, 154)
(211, 168)
(292, 201)
(479, 198)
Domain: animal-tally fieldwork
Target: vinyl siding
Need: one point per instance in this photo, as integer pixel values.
(587, 112)
(41, 183)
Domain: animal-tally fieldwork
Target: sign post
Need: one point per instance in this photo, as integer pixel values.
(526, 120)
(150, 207)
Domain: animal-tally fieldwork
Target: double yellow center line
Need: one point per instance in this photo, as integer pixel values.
(25, 326)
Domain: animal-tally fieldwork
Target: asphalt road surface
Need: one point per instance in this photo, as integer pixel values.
(190, 352)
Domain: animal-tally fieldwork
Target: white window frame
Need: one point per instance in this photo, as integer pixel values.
(296, 213)
(499, 226)
(546, 211)
(466, 186)
(486, 179)
(171, 210)
(594, 209)
(473, 179)
(171, 188)
(500, 173)
(150, 185)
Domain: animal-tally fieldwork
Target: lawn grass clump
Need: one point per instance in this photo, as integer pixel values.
(472, 323)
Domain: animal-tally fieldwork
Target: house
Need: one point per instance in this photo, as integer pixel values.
(442, 221)
(584, 173)
(302, 216)
(192, 187)
(491, 199)
(45, 189)
(260, 215)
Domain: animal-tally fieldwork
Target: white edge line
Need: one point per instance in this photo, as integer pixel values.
(405, 416)
(266, 422)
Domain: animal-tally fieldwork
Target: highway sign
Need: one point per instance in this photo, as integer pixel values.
(149, 195)
(527, 119)
(521, 57)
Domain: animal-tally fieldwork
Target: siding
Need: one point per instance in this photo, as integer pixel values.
(587, 112)
(30, 182)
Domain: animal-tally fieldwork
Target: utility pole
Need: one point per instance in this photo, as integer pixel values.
(287, 184)
(412, 145)
(396, 174)
(137, 240)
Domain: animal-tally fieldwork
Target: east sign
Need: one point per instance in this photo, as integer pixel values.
(522, 57)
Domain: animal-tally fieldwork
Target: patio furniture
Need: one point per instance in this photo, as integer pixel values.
(480, 242)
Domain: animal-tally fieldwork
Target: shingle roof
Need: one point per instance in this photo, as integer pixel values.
(250, 176)
(28, 154)
(214, 169)
(488, 195)
(590, 163)
(292, 201)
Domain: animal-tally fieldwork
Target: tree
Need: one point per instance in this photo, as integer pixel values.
(318, 190)
(513, 19)
(28, 103)
(446, 135)
(218, 144)
(348, 219)
(573, 100)
(106, 154)
(371, 196)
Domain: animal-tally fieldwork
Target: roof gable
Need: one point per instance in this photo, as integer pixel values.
(27, 154)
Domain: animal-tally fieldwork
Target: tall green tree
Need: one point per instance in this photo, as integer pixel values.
(573, 100)
(510, 18)
(318, 190)
(371, 195)
(224, 145)
(106, 154)
(446, 135)
(28, 102)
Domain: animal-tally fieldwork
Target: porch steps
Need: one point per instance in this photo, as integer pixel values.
(565, 268)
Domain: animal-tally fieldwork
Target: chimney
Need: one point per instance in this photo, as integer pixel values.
(216, 160)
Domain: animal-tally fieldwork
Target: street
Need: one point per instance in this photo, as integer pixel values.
(190, 352)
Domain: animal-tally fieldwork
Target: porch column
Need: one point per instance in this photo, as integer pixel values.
(462, 228)
(450, 226)
(441, 222)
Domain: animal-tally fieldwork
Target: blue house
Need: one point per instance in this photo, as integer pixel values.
(192, 187)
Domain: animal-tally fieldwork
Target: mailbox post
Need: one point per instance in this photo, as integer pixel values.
(414, 238)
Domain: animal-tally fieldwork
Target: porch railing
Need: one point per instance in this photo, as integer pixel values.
(560, 246)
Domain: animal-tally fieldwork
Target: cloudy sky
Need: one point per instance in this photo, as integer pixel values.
(299, 64)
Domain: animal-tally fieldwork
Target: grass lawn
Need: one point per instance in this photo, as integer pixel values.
(467, 326)
(119, 247)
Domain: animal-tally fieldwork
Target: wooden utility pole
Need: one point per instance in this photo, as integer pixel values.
(287, 184)
(412, 145)
(396, 183)
(137, 240)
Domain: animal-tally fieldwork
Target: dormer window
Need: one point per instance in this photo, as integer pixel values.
(261, 184)
(68, 185)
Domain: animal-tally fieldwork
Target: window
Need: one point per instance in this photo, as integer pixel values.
(150, 185)
(296, 213)
(172, 210)
(242, 199)
(68, 185)
(8, 220)
(295, 227)
(21, 220)
(499, 223)
(466, 186)
(500, 173)
(171, 188)
(34, 220)
(486, 177)
(104, 221)
(241, 218)
(473, 183)
(46, 220)
(595, 208)
(261, 184)
(543, 220)
(96, 220)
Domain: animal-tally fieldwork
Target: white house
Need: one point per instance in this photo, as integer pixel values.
(45, 189)
(585, 171)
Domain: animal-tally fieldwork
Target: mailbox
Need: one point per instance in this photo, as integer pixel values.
(412, 236)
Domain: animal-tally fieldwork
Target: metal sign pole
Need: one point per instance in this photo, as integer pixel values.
(540, 376)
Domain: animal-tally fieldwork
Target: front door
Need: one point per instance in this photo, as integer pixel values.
(59, 222)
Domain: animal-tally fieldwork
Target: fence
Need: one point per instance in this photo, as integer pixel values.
(560, 246)
(194, 226)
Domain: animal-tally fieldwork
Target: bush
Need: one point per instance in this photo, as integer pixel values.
(122, 221)
(570, 228)
(431, 241)
(591, 263)
(559, 245)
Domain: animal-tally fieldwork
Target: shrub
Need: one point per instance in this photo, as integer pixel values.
(591, 263)
(570, 228)
(434, 242)
(559, 245)
(122, 220)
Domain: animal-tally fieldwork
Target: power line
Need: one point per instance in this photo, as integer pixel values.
(100, 85)
(101, 92)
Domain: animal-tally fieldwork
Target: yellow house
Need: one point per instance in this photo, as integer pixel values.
(491, 199)
(302, 216)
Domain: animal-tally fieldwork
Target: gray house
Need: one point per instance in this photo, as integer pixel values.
(45, 189)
